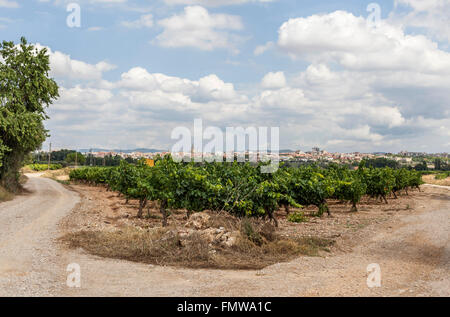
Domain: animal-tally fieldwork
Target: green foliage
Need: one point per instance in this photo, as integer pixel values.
(380, 182)
(92, 175)
(351, 190)
(401, 180)
(297, 217)
(421, 166)
(25, 91)
(44, 167)
(242, 189)
(440, 165)
(309, 186)
(348, 185)
(442, 176)
(73, 157)
(381, 162)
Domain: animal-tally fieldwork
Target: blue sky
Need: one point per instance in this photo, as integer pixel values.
(134, 70)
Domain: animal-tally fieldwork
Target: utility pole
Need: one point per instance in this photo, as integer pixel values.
(49, 155)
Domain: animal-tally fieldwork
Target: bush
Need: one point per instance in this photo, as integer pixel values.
(44, 167)
(297, 217)
(442, 176)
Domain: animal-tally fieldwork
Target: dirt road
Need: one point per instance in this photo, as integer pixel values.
(29, 255)
(413, 252)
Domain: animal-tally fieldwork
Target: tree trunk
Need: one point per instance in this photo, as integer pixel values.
(354, 208)
(384, 197)
(322, 208)
(272, 217)
(287, 209)
(395, 195)
(142, 203)
(9, 172)
(162, 208)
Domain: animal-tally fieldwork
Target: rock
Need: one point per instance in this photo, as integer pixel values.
(184, 234)
(169, 235)
(231, 239)
(209, 234)
(198, 221)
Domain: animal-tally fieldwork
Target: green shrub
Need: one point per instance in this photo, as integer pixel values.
(442, 176)
(44, 167)
(297, 217)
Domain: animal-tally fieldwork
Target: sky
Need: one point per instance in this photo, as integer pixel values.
(341, 75)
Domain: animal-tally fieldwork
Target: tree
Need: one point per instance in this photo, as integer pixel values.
(421, 166)
(25, 92)
(78, 157)
(437, 164)
(60, 155)
(381, 162)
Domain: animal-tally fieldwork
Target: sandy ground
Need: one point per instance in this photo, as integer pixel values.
(429, 179)
(412, 250)
(29, 256)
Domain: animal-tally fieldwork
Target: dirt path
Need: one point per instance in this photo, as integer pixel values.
(413, 253)
(29, 256)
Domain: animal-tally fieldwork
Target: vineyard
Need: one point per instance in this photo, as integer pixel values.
(44, 167)
(242, 190)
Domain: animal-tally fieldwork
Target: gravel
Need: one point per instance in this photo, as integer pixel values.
(29, 254)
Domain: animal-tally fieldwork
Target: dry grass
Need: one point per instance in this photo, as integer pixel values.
(58, 175)
(27, 170)
(257, 247)
(23, 179)
(430, 179)
(5, 195)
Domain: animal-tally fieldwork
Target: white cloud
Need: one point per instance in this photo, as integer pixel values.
(139, 78)
(346, 39)
(431, 15)
(198, 28)
(145, 21)
(261, 49)
(213, 88)
(79, 98)
(8, 4)
(206, 89)
(95, 28)
(63, 66)
(274, 80)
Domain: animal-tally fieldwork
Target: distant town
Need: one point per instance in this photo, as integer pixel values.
(404, 158)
